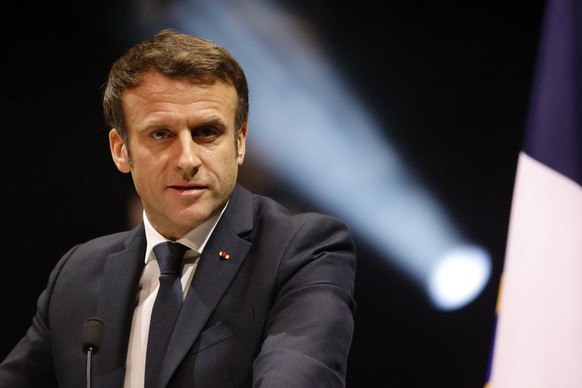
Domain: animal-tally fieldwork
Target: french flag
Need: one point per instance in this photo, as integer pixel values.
(538, 336)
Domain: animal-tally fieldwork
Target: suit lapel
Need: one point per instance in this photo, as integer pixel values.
(117, 301)
(213, 276)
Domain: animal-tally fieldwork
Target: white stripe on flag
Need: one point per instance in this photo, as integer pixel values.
(538, 340)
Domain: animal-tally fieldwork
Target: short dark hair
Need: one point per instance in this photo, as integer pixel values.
(174, 55)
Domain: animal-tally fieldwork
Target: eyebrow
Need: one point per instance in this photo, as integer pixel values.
(212, 121)
(216, 121)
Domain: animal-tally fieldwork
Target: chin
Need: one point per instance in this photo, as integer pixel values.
(189, 219)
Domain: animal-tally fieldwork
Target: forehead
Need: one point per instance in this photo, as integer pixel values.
(158, 94)
(156, 85)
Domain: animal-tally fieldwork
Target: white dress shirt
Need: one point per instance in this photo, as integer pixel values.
(148, 289)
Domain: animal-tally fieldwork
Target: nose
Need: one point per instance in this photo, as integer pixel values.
(188, 161)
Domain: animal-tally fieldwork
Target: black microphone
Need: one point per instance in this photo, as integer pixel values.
(91, 341)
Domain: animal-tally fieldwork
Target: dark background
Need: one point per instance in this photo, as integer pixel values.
(450, 81)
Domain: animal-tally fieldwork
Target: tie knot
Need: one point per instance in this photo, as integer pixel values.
(169, 256)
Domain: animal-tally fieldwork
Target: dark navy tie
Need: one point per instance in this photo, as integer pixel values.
(166, 308)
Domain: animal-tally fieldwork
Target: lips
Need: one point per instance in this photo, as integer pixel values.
(188, 190)
(187, 187)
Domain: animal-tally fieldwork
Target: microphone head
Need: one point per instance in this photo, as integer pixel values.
(92, 334)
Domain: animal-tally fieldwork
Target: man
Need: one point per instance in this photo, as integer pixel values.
(266, 295)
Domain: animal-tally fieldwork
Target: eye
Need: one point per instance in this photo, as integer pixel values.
(205, 134)
(159, 134)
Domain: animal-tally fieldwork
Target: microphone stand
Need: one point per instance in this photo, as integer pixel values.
(89, 355)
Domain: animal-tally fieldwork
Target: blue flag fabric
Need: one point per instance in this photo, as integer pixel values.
(554, 126)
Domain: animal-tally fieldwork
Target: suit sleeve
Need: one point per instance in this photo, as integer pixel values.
(30, 363)
(310, 326)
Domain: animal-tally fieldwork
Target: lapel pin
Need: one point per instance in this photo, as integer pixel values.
(224, 255)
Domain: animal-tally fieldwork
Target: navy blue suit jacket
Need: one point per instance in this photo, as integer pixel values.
(278, 313)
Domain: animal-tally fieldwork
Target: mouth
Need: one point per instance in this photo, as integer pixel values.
(186, 187)
(186, 190)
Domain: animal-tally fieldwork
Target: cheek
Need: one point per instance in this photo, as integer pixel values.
(145, 173)
(138, 182)
(145, 162)
(225, 170)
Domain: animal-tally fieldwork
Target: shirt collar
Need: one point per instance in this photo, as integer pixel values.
(195, 239)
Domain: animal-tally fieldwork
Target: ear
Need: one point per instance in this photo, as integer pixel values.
(119, 151)
(241, 142)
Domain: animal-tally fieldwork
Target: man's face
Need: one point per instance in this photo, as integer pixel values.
(183, 153)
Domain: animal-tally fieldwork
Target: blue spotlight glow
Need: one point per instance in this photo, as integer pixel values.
(313, 132)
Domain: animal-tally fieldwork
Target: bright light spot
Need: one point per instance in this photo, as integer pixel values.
(458, 277)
